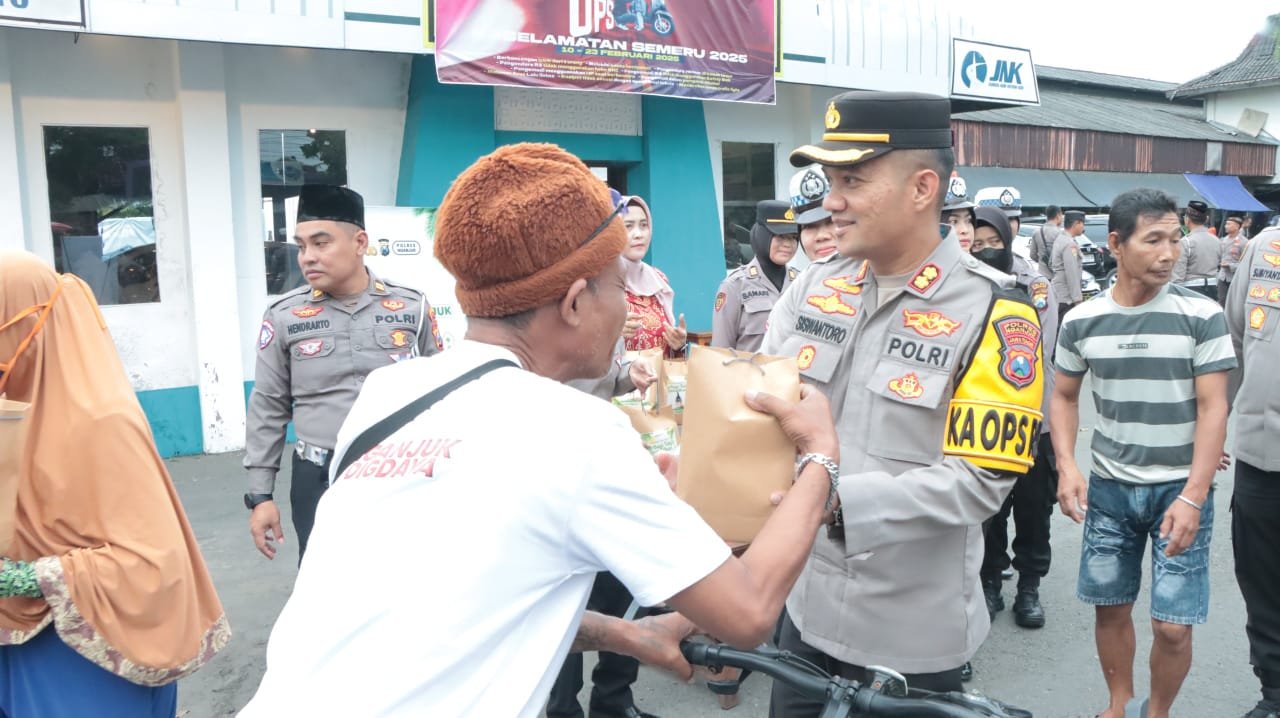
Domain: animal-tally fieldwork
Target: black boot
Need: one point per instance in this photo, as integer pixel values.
(1027, 611)
(991, 591)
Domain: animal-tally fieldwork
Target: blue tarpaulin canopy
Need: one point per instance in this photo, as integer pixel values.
(1226, 192)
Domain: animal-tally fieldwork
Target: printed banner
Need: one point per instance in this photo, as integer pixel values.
(402, 249)
(40, 12)
(682, 48)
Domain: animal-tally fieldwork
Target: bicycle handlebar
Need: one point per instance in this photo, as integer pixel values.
(818, 687)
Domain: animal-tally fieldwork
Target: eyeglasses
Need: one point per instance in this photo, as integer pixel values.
(619, 204)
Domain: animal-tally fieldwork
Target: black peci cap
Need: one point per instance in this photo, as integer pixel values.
(863, 125)
(777, 216)
(329, 202)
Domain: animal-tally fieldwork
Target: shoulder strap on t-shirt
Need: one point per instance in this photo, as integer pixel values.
(375, 434)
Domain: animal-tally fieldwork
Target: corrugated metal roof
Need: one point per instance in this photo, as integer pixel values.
(1075, 110)
(1101, 79)
(1257, 66)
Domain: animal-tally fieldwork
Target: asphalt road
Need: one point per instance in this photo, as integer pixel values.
(1052, 671)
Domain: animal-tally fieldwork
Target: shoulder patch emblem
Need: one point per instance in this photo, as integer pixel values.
(929, 324)
(394, 305)
(307, 312)
(311, 347)
(1272, 259)
(720, 299)
(1019, 340)
(805, 358)
(1257, 318)
(907, 386)
(928, 276)
(1040, 293)
(1256, 291)
(753, 272)
(831, 304)
(316, 294)
(266, 334)
(842, 284)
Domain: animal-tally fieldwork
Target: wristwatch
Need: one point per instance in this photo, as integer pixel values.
(251, 501)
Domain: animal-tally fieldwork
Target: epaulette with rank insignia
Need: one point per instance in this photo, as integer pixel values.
(302, 291)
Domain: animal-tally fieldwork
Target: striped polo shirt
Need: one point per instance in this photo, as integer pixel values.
(1144, 361)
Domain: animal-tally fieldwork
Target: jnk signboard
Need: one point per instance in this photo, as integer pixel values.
(982, 71)
(42, 12)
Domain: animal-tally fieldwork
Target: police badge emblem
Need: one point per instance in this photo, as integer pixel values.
(1019, 340)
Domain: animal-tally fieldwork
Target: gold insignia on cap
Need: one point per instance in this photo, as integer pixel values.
(832, 118)
(789, 215)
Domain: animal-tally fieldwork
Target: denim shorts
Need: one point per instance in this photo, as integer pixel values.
(1120, 518)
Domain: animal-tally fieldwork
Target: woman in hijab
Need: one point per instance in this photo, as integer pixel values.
(747, 295)
(651, 320)
(105, 600)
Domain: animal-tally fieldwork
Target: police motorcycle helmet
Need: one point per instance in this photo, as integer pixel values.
(807, 189)
(1006, 199)
(957, 195)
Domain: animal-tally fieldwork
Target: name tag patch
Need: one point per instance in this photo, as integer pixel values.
(932, 354)
(821, 329)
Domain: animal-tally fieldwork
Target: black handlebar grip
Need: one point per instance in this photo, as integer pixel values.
(695, 652)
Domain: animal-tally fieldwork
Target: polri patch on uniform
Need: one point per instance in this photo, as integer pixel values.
(266, 334)
(1257, 291)
(907, 386)
(804, 359)
(310, 348)
(1040, 293)
(1019, 340)
(831, 304)
(929, 324)
(720, 299)
(928, 276)
(1257, 318)
(1272, 259)
(307, 312)
(394, 305)
(842, 284)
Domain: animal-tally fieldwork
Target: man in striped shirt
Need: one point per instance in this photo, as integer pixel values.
(1158, 355)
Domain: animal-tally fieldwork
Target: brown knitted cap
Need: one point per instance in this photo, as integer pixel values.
(513, 229)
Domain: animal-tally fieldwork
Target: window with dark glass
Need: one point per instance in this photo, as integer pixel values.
(100, 209)
(287, 160)
(747, 174)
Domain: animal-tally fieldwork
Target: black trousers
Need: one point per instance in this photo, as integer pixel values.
(1031, 503)
(786, 703)
(1224, 288)
(614, 673)
(305, 489)
(1255, 536)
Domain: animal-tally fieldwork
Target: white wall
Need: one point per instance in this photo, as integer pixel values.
(290, 88)
(1228, 107)
(63, 79)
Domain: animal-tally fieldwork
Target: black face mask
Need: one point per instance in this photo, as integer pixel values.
(994, 258)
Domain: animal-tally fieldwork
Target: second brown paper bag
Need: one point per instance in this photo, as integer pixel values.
(733, 457)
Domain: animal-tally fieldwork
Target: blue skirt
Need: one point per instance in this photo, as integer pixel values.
(43, 678)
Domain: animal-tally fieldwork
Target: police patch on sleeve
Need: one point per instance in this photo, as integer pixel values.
(720, 298)
(1040, 293)
(266, 334)
(994, 418)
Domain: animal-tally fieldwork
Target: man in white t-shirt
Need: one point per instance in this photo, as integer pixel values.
(451, 563)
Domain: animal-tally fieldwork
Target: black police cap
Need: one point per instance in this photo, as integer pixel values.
(329, 202)
(777, 216)
(863, 125)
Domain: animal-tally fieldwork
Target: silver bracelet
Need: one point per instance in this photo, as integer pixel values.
(1189, 502)
(833, 473)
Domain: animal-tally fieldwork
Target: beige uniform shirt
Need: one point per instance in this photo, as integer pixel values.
(1067, 272)
(1253, 311)
(1201, 258)
(900, 587)
(314, 352)
(742, 307)
(1042, 246)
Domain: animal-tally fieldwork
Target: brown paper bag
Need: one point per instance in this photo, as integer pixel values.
(657, 432)
(733, 457)
(13, 432)
(673, 386)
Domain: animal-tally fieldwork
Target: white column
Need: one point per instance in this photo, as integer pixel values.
(202, 108)
(13, 231)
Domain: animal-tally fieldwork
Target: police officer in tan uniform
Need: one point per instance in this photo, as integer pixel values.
(1253, 313)
(933, 368)
(750, 291)
(1197, 267)
(1064, 259)
(315, 347)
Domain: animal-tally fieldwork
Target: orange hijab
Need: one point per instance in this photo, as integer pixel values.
(124, 583)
